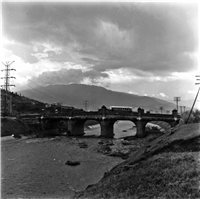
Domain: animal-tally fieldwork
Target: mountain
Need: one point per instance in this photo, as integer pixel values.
(76, 94)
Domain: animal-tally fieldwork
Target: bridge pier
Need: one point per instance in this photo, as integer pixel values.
(76, 128)
(107, 128)
(140, 126)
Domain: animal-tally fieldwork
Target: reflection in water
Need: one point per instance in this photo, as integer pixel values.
(121, 129)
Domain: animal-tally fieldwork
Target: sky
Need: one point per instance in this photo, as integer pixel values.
(144, 48)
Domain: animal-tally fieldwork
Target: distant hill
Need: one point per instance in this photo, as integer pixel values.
(20, 103)
(76, 94)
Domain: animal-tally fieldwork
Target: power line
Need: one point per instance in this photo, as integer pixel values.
(6, 86)
(53, 97)
(42, 92)
(61, 97)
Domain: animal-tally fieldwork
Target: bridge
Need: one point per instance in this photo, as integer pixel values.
(75, 120)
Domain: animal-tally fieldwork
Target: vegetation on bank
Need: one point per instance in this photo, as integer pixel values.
(194, 117)
(21, 104)
(167, 175)
(168, 167)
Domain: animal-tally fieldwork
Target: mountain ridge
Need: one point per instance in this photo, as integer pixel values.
(76, 94)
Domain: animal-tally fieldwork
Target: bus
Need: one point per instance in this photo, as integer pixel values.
(120, 108)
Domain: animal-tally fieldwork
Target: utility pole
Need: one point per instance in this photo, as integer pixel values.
(177, 99)
(85, 105)
(168, 111)
(6, 98)
(182, 109)
(194, 99)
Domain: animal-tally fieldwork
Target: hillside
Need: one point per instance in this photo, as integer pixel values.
(167, 167)
(75, 94)
(20, 103)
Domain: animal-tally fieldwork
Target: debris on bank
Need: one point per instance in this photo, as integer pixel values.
(119, 147)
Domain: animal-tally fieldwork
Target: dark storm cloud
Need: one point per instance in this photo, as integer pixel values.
(156, 37)
(65, 76)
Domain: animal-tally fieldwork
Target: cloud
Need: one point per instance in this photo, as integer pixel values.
(134, 93)
(40, 55)
(146, 36)
(163, 95)
(191, 92)
(142, 46)
(66, 76)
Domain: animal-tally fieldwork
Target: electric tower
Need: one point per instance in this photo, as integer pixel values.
(86, 104)
(6, 98)
(177, 99)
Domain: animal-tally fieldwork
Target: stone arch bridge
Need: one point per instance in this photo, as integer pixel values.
(76, 119)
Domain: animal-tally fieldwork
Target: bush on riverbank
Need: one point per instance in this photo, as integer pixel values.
(194, 117)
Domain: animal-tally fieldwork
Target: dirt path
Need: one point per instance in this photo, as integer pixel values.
(35, 168)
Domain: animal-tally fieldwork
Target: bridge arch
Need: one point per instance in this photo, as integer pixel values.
(63, 127)
(51, 124)
(92, 127)
(124, 128)
(79, 127)
(54, 127)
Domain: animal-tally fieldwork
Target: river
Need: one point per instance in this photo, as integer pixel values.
(121, 129)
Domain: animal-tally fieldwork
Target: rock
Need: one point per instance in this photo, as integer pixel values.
(100, 142)
(126, 142)
(72, 163)
(83, 145)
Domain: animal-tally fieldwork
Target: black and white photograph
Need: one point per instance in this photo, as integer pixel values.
(100, 99)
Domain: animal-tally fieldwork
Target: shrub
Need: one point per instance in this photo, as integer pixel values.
(194, 117)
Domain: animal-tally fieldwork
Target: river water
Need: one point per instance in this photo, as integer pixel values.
(121, 129)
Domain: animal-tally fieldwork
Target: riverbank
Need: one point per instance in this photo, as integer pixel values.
(167, 167)
(36, 167)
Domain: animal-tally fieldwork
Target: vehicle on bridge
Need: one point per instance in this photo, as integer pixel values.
(120, 108)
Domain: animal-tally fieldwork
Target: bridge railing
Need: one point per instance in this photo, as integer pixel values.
(104, 112)
(85, 113)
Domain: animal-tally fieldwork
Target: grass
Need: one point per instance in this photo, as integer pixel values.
(166, 175)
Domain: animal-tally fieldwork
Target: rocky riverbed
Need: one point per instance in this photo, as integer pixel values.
(60, 166)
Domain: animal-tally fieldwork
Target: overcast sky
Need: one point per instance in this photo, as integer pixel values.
(148, 48)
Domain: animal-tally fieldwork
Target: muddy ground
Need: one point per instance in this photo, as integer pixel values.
(36, 167)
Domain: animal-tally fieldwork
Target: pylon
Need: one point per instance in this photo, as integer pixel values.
(6, 95)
